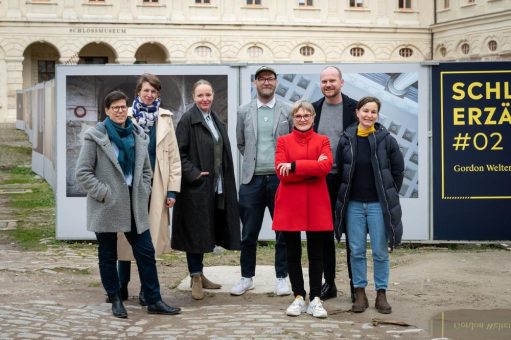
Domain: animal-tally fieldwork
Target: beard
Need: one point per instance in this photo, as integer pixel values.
(330, 93)
(266, 93)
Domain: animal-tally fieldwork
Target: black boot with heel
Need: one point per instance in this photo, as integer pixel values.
(118, 309)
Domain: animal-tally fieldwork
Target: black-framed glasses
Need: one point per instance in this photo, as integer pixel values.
(264, 80)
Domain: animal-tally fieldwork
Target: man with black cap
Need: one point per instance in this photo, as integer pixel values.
(258, 126)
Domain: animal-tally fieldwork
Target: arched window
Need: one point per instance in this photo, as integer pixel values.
(357, 51)
(255, 51)
(306, 51)
(465, 48)
(492, 45)
(203, 51)
(406, 52)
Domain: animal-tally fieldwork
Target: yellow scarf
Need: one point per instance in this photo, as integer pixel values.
(363, 132)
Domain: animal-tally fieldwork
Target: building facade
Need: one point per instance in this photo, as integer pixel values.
(35, 35)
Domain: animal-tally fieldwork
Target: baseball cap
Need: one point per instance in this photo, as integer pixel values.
(267, 69)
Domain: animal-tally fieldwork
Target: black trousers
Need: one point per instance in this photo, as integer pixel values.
(143, 251)
(315, 240)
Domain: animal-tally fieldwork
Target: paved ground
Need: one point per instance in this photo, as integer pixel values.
(56, 294)
(68, 303)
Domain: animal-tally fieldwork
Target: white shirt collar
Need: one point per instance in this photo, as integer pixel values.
(205, 114)
(270, 104)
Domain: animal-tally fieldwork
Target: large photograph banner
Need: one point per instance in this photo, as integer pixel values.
(471, 147)
(402, 90)
(80, 90)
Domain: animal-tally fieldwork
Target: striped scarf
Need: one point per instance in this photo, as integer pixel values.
(145, 115)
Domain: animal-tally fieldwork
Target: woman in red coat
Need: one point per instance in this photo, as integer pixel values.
(303, 158)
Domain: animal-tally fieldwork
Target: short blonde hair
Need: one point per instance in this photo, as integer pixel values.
(305, 105)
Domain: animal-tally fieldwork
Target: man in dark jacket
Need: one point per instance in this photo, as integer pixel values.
(334, 113)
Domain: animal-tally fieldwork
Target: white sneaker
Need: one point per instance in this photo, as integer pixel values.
(281, 287)
(242, 286)
(316, 309)
(297, 307)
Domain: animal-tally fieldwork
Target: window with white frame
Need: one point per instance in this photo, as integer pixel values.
(203, 51)
(151, 1)
(253, 2)
(356, 3)
(202, 1)
(405, 4)
(254, 51)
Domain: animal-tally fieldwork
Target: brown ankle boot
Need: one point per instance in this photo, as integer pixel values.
(206, 284)
(381, 303)
(361, 302)
(197, 292)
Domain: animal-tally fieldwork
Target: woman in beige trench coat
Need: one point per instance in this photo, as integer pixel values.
(166, 164)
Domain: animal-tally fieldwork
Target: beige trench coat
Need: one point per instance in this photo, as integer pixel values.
(167, 177)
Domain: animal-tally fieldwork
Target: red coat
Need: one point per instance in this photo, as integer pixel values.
(302, 202)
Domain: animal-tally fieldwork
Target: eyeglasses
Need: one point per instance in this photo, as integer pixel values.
(119, 108)
(264, 80)
(304, 117)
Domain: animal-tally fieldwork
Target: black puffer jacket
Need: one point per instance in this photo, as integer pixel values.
(388, 168)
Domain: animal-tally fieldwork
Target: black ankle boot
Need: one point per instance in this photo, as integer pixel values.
(118, 309)
(160, 307)
(141, 298)
(123, 292)
(328, 291)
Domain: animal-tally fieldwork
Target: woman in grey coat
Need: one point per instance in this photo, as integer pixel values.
(114, 170)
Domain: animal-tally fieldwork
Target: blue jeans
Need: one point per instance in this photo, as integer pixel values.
(143, 251)
(254, 197)
(362, 217)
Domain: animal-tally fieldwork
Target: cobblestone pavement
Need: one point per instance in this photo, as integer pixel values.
(56, 294)
(41, 298)
(41, 319)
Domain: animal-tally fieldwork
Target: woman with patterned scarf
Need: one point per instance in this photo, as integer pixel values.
(114, 169)
(166, 164)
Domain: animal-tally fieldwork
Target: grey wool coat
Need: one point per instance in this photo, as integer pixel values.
(101, 176)
(246, 133)
(196, 225)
